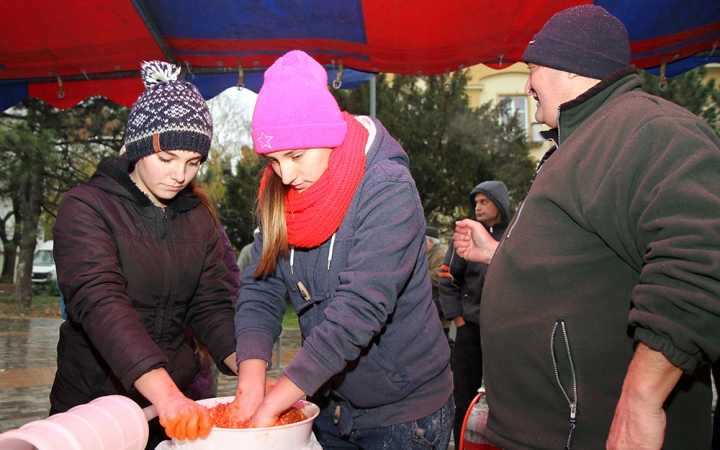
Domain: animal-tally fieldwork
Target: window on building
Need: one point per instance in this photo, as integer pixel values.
(516, 104)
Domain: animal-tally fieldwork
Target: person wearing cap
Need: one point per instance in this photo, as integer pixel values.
(602, 303)
(435, 253)
(461, 284)
(139, 258)
(341, 236)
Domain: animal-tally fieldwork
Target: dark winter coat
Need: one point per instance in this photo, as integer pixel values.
(616, 242)
(373, 342)
(461, 281)
(134, 276)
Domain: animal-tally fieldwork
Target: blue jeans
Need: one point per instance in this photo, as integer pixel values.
(430, 432)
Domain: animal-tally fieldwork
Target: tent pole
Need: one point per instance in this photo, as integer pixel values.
(372, 97)
(142, 9)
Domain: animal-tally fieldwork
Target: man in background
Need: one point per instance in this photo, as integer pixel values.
(461, 284)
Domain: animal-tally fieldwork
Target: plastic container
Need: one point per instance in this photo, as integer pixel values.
(113, 422)
(474, 424)
(295, 436)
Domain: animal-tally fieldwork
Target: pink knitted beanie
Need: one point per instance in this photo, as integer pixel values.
(295, 109)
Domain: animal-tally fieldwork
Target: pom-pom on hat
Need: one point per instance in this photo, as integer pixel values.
(295, 109)
(586, 40)
(170, 115)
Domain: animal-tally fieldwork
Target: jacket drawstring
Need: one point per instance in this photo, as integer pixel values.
(332, 245)
(292, 259)
(330, 255)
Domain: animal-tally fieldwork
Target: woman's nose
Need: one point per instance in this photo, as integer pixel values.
(287, 174)
(178, 173)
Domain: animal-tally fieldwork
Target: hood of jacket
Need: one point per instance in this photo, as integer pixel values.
(497, 192)
(383, 147)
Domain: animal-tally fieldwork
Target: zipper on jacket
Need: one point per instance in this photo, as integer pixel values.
(527, 190)
(164, 213)
(574, 401)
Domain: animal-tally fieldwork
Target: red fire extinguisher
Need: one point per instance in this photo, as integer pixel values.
(473, 425)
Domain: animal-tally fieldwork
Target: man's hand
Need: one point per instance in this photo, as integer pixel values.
(473, 242)
(639, 421)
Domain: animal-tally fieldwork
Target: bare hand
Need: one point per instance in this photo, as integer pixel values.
(473, 242)
(265, 416)
(636, 426)
(640, 420)
(251, 389)
(243, 407)
(183, 418)
(283, 395)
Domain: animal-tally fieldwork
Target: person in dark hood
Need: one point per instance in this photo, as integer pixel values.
(601, 309)
(461, 284)
(139, 258)
(342, 236)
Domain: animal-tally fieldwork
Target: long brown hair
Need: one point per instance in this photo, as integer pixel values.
(207, 203)
(271, 211)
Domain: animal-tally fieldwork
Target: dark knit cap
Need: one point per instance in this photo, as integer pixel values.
(169, 115)
(585, 40)
(432, 232)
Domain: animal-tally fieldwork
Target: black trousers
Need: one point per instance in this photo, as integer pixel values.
(467, 373)
(716, 415)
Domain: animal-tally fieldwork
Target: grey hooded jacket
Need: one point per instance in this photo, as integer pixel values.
(461, 281)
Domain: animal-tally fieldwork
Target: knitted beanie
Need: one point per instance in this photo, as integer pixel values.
(295, 109)
(585, 40)
(169, 115)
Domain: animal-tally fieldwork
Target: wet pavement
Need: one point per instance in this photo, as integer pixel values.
(28, 352)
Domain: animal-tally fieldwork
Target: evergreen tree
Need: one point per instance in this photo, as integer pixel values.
(689, 91)
(44, 152)
(451, 146)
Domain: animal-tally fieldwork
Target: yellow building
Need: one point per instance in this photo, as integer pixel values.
(487, 84)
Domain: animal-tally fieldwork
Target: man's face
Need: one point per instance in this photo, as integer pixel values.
(548, 87)
(486, 211)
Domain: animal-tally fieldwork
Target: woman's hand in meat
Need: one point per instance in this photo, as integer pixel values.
(183, 418)
(281, 397)
(250, 391)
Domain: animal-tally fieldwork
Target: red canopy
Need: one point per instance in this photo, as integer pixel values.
(95, 48)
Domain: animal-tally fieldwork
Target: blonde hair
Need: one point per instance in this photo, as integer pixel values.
(271, 211)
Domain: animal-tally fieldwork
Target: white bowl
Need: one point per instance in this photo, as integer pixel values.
(295, 436)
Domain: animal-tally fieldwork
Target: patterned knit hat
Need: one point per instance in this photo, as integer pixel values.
(295, 109)
(586, 40)
(169, 115)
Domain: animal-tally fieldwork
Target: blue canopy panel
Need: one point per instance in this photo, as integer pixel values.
(212, 85)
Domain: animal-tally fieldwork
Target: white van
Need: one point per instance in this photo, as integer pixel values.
(43, 264)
